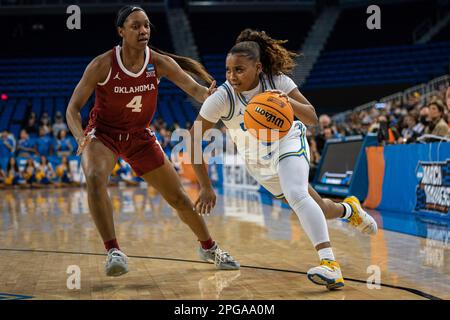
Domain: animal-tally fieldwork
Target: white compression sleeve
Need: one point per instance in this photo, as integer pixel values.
(293, 173)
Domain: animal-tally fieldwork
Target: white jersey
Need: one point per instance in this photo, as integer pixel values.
(229, 106)
(261, 158)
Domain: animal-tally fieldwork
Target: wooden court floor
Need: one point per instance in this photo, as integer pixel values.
(45, 232)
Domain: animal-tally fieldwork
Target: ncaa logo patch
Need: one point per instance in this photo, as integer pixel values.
(151, 70)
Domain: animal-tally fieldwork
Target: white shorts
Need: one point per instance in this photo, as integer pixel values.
(265, 171)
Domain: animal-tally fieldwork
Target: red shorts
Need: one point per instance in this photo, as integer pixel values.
(139, 148)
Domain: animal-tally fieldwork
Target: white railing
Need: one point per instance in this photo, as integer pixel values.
(366, 106)
(437, 83)
(420, 89)
(426, 91)
(393, 97)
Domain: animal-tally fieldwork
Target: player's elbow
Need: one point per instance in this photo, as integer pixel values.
(312, 119)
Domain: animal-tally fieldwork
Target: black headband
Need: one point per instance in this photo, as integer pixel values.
(123, 15)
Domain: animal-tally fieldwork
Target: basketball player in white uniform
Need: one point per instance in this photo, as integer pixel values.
(258, 63)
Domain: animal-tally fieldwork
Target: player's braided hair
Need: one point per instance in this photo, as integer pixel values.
(191, 66)
(257, 45)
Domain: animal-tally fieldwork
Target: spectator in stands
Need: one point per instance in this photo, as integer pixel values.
(366, 118)
(447, 99)
(63, 172)
(414, 101)
(365, 126)
(44, 143)
(160, 123)
(63, 146)
(324, 122)
(328, 133)
(398, 113)
(422, 121)
(314, 155)
(342, 130)
(12, 173)
(25, 146)
(165, 141)
(31, 125)
(59, 124)
(45, 122)
(437, 126)
(7, 145)
(29, 172)
(44, 172)
(408, 134)
(2, 178)
(387, 132)
(354, 124)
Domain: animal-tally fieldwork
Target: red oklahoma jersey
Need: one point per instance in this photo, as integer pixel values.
(125, 101)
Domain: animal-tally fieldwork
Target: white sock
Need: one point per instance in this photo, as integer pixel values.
(347, 210)
(326, 253)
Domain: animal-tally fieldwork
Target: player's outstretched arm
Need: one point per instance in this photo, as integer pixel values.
(207, 197)
(169, 68)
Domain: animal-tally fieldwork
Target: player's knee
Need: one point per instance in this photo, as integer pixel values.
(95, 180)
(296, 197)
(322, 204)
(180, 201)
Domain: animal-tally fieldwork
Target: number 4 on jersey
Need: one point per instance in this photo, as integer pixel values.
(135, 104)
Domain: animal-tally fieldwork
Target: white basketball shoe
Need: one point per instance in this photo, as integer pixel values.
(116, 263)
(327, 274)
(222, 259)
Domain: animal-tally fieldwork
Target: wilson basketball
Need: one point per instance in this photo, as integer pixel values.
(268, 116)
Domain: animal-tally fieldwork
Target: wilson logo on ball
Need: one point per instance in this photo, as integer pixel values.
(270, 117)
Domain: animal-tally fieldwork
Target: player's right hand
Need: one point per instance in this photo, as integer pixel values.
(206, 201)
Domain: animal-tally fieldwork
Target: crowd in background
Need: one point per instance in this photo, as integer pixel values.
(395, 122)
(42, 153)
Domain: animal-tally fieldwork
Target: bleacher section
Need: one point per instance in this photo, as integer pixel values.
(408, 64)
(46, 84)
(443, 35)
(216, 32)
(215, 64)
(48, 36)
(397, 26)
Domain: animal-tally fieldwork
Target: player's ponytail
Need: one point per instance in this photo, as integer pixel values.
(274, 57)
(191, 66)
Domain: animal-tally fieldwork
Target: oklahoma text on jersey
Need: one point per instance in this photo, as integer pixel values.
(141, 88)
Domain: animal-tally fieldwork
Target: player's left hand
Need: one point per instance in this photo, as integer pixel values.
(206, 201)
(212, 88)
(280, 93)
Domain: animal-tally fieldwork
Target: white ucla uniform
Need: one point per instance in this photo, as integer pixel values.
(261, 158)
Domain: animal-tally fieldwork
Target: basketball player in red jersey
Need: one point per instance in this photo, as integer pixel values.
(125, 80)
